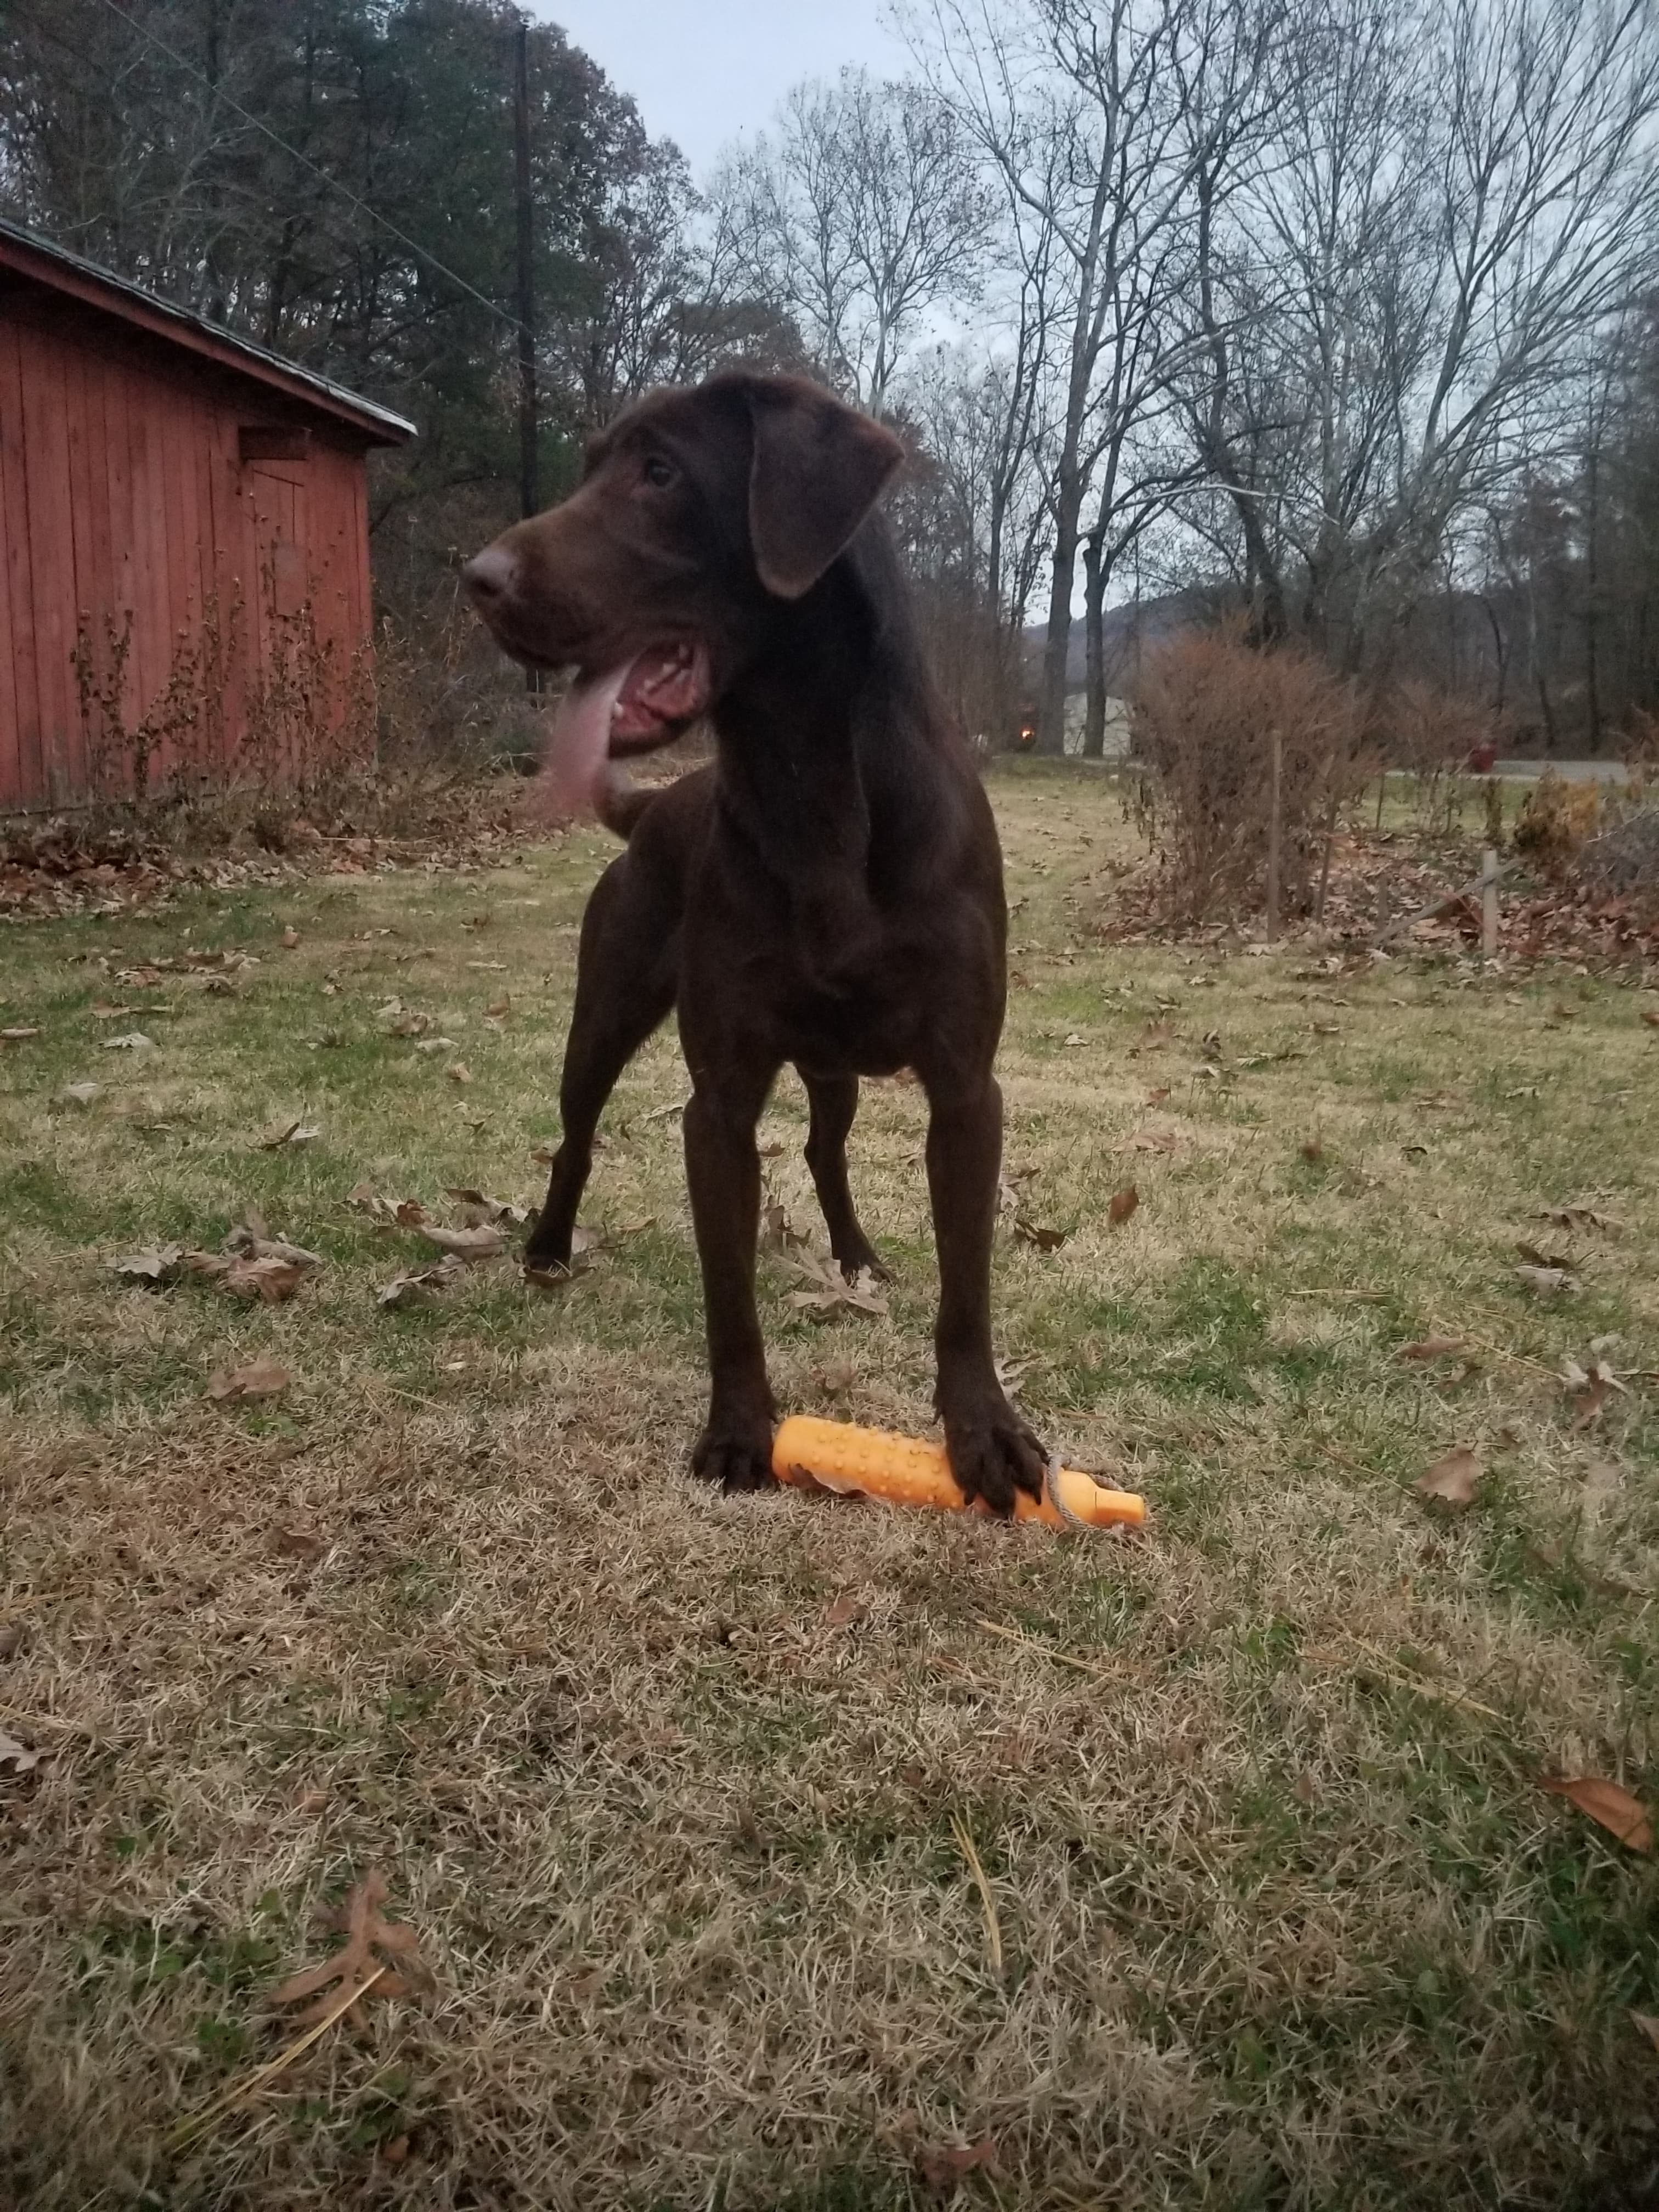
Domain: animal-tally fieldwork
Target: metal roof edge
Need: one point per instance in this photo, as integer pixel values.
(213, 339)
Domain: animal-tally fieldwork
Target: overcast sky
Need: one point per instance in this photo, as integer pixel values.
(703, 71)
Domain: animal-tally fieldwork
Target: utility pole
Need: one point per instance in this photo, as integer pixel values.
(529, 489)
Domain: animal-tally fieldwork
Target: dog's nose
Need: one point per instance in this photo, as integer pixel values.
(489, 575)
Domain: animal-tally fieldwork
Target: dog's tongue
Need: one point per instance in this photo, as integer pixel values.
(574, 755)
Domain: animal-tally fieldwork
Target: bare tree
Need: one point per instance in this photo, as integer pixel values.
(1092, 114)
(860, 215)
(1393, 310)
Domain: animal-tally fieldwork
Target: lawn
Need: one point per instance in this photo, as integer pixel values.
(712, 1818)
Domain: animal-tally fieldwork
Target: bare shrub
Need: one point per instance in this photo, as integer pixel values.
(1202, 722)
(1434, 736)
(1622, 860)
(1556, 822)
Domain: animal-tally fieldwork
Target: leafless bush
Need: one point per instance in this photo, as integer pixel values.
(1203, 723)
(1622, 860)
(1556, 822)
(1433, 735)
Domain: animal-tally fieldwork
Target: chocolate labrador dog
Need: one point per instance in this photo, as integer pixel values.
(829, 893)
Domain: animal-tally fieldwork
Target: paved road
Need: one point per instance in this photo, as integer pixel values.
(1569, 771)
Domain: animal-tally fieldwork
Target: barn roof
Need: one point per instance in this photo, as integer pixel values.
(24, 254)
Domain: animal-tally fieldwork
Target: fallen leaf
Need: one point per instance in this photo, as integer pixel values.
(1011, 1374)
(1649, 2025)
(1608, 1804)
(272, 1281)
(1452, 1479)
(366, 1932)
(1154, 1140)
(1650, 1016)
(1074, 1042)
(1156, 1097)
(1313, 1150)
(422, 1284)
(498, 1009)
(289, 1133)
(1124, 1203)
(154, 1266)
(415, 1025)
(837, 1376)
(478, 1207)
(252, 1241)
(1431, 1347)
(1546, 1282)
(1576, 1217)
(470, 1245)
(777, 1231)
(290, 938)
(436, 1044)
(133, 1041)
(80, 1094)
(830, 1289)
(17, 1756)
(262, 1378)
(19, 1035)
(1534, 1258)
(300, 1544)
(943, 2168)
(409, 1213)
(459, 1072)
(1045, 1240)
(847, 1609)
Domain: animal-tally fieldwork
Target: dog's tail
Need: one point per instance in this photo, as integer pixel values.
(622, 801)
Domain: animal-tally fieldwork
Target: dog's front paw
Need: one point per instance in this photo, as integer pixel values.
(736, 1455)
(993, 1454)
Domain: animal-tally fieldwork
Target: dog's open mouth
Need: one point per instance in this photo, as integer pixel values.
(634, 708)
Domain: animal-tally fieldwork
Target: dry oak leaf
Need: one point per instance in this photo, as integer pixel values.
(154, 1266)
(1650, 1016)
(1431, 1347)
(471, 1245)
(943, 2168)
(422, 1284)
(289, 1133)
(1608, 1804)
(80, 1094)
(19, 1035)
(271, 1280)
(17, 1756)
(355, 1966)
(1031, 1232)
(1123, 1204)
(847, 1609)
(1547, 1282)
(263, 1377)
(830, 1288)
(1154, 1140)
(290, 938)
(1452, 1480)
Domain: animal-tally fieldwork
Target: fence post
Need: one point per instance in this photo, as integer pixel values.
(1489, 904)
(1272, 841)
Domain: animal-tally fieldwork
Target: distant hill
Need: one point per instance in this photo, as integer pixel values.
(1143, 623)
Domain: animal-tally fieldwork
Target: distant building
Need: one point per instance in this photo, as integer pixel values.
(178, 507)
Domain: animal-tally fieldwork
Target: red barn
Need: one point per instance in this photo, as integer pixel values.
(184, 538)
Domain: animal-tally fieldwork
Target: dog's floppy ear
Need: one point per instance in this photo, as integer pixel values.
(817, 470)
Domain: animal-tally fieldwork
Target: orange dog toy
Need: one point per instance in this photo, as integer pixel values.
(907, 1471)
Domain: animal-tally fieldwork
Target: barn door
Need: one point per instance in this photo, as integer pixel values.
(279, 618)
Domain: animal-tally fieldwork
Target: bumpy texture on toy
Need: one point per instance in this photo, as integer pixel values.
(908, 1471)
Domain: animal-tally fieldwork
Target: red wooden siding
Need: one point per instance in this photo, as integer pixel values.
(123, 500)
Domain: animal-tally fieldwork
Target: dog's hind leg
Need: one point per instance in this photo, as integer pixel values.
(834, 1101)
(625, 974)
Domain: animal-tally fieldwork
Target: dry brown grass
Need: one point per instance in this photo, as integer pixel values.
(1285, 1920)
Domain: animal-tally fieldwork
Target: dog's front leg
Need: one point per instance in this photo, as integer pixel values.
(722, 1173)
(992, 1450)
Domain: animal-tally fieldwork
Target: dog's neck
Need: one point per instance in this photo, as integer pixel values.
(826, 747)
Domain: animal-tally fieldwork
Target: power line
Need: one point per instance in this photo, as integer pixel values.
(294, 154)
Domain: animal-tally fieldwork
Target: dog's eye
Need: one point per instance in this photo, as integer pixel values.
(659, 472)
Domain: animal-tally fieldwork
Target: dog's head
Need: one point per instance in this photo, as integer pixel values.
(697, 510)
